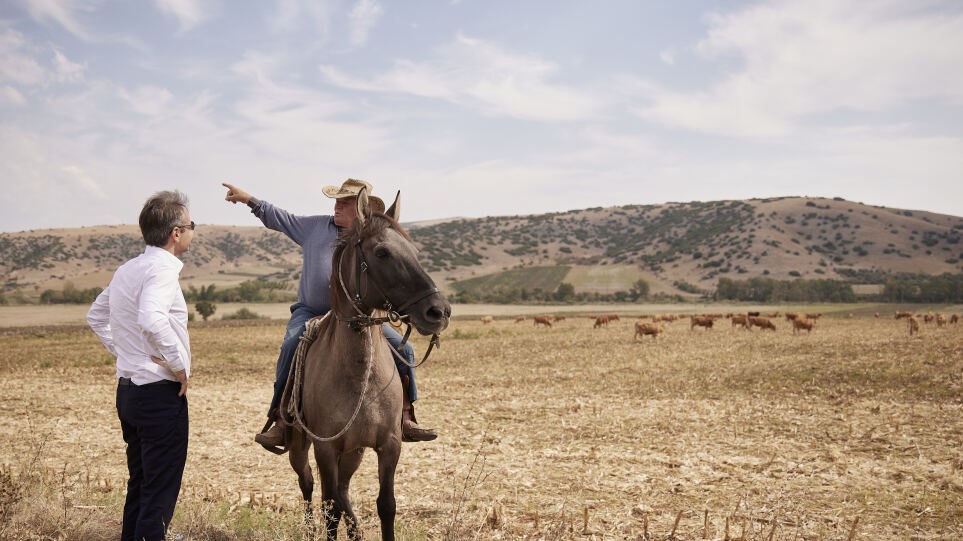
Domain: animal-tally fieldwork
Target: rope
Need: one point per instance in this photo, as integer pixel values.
(294, 404)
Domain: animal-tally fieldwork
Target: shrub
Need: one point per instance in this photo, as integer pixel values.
(244, 313)
(687, 287)
(206, 309)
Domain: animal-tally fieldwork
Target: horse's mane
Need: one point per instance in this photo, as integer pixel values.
(351, 236)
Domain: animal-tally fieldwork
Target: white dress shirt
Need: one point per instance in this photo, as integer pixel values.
(142, 313)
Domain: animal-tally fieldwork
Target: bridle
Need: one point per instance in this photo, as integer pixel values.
(362, 318)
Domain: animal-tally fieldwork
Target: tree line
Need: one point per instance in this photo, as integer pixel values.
(248, 291)
(909, 288)
(762, 289)
(70, 294)
(903, 288)
(945, 288)
(565, 293)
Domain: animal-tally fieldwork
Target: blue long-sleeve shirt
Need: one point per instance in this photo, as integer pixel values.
(317, 236)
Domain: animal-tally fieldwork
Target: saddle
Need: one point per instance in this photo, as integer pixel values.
(283, 416)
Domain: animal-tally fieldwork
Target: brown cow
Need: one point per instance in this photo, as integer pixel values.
(901, 315)
(742, 321)
(701, 321)
(542, 320)
(791, 316)
(519, 319)
(601, 321)
(955, 318)
(940, 319)
(914, 325)
(487, 319)
(803, 323)
(762, 323)
(642, 329)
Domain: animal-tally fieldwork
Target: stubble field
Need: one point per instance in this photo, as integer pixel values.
(851, 432)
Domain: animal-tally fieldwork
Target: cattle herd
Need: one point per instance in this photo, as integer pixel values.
(797, 322)
(913, 320)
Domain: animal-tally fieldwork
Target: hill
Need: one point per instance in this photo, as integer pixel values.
(677, 248)
(693, 244)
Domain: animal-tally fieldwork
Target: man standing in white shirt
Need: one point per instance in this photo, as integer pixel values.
(141, 317)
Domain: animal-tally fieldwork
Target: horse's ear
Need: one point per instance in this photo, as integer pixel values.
(363, 209)
(394, 211)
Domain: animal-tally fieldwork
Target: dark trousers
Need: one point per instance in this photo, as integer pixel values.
(154, 423)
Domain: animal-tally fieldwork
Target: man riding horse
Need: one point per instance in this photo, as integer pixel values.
(318, 236)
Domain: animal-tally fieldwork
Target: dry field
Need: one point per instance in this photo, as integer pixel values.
(853, 432)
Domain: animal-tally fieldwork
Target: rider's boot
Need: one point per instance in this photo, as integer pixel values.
(271, 437)
(410, 431)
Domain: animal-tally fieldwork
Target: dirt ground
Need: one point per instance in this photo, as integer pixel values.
(851, 432)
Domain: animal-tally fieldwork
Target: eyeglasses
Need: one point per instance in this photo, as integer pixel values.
(190, 226)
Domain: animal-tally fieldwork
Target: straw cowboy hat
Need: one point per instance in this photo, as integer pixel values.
(351, 188)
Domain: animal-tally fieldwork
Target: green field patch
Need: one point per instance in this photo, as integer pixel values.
(606, 278)
(527, 279)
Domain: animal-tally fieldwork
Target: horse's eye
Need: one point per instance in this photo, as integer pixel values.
(381, 252)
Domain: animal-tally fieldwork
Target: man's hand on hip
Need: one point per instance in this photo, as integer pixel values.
(180, 375)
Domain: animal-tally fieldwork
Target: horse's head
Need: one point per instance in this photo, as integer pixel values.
(377, 266)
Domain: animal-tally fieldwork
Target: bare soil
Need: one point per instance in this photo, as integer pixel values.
(853, 431)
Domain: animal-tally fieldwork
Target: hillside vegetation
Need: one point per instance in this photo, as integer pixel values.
(677, 248)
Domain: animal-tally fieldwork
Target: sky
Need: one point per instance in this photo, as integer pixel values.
(475, 108)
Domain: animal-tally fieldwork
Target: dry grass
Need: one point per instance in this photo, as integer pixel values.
(562, 433)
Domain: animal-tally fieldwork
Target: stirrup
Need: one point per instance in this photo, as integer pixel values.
(412, 432)
(261, 440)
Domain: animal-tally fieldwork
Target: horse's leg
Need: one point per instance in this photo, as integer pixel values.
(388, 455)
(327, 458)
(349, 464)
(298, 455)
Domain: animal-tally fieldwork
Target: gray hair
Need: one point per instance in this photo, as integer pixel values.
(160, 215)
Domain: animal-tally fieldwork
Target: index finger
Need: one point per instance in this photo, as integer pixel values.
(228, 186)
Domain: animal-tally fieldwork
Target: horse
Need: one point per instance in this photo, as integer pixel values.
(350, 391)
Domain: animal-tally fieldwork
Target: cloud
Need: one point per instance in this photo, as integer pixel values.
(66, 71)
(66, 13)
(363, 17)
(83, 180)
(189, 13)
(292, 15)
(147, 100)
(11, 96)
(481, 75)
(296, 122)
(18, 64)
(27, 65)
(800, 59)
